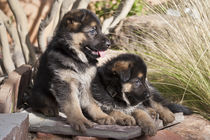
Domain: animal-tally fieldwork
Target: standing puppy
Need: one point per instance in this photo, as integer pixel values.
(67, 68)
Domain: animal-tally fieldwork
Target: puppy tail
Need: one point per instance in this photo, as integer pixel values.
(175, 108)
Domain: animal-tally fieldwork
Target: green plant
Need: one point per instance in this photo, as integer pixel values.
(181, 61)
(137, 8)
(106, 8)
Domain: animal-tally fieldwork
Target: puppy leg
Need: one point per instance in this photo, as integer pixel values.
(98, 115)
(145, 122)
(165, 114)
(43, 103)
(74, 114)
(122, 118)
(67, 97)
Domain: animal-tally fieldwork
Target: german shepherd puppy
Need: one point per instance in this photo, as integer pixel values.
(121, 90)
(66, 69)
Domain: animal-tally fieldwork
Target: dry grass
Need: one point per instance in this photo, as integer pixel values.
(180, 62)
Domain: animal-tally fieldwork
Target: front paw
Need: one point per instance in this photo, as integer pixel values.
(148, 126)
(126, 120)
(153, 114)
(167, 116)
(80, 124)
(107, 120)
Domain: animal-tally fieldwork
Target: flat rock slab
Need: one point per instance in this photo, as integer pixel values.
(39, 123)
(14, 126)
(194, 127)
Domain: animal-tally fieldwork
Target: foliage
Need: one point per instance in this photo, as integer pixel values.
(181, 61)
(106, 8)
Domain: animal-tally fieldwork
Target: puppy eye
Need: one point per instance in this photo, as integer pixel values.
(137, 83)
(93, 31)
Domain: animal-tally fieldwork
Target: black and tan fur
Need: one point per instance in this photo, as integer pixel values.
(122, 91)
(67, 68)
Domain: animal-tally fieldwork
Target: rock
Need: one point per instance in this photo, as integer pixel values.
(87, 138)
(142, 31)
(45, 136)
(14, 126)
(162, 135)
(194, 127)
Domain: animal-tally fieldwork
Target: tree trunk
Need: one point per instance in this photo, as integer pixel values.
(122, 11)
(44, 23)
(65, 7)
(7, 59)
(81, 4)
(22, 28)
(18, 55)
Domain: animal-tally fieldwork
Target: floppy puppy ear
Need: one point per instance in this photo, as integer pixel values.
(123, 68)
(125, 75)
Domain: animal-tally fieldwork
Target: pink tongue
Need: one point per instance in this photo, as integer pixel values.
(101, 53)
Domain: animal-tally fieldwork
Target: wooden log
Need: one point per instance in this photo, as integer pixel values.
(40, 123)
(10, 89)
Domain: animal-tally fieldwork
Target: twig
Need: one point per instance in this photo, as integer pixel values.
(44, 23)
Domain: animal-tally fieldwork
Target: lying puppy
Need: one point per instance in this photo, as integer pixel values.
(121, 90)
(67, 68)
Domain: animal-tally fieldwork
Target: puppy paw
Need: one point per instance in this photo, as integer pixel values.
(153, 114)
(81, 124)
(144, 120)
(148, 127)
(107, 120)
(49, 111)
(167, 116)
(126, 120)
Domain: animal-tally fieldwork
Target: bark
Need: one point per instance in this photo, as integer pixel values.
(81, 4)
(18, 55)
(6, 56)
(44, 23)
(22, 28)
(122, 11)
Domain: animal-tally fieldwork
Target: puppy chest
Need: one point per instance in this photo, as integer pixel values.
(81, 80)
(86, 77)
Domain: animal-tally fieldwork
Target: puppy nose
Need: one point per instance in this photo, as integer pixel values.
(108, 43)
(146, 95)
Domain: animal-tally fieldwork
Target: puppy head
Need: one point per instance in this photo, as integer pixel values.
(84, 29)
(130, 72)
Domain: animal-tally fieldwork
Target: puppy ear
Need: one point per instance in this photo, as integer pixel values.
(82, 16)
(74, 19)
(72, 25)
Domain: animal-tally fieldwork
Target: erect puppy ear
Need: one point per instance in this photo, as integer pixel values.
(74, 19)
(76, 16)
